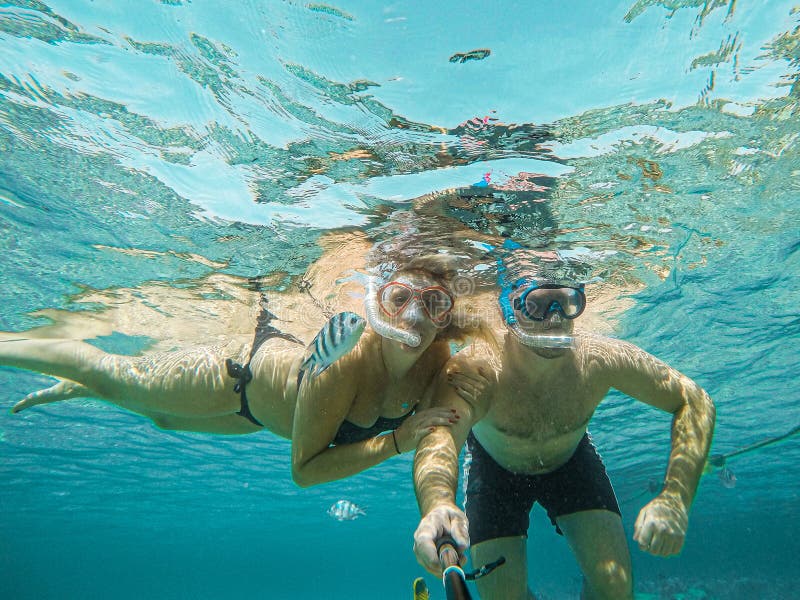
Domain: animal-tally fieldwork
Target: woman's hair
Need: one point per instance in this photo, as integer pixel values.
(429, 246)
(441, 267)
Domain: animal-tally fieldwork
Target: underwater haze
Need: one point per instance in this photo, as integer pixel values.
(150, 148)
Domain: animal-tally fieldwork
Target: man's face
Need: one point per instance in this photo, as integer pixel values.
(547, 309)
(554, 324)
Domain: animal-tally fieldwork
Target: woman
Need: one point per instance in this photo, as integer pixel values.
(335, 420)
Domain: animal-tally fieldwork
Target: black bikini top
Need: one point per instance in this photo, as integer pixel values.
(349, 433)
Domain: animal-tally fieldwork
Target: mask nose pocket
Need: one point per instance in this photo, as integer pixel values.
(413, 312)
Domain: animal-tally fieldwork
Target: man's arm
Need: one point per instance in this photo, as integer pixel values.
(436, 460)
(642, 376)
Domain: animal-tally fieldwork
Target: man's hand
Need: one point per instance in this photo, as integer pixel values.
(661, 526)
(441, 521)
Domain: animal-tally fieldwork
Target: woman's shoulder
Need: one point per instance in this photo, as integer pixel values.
(364, 360)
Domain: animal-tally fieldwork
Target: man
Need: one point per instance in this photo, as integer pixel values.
(523, 414)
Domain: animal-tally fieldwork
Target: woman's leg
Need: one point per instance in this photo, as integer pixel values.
(189, 384)
(224, 425)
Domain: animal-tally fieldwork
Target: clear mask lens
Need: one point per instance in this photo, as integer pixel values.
(394, 297)
(540, 302)
(437, 303)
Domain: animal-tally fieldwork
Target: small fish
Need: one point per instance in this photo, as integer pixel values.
(344, 510)
(421, 589)
(727, 478)
(339, 335)
(329, 10)
(462, 57)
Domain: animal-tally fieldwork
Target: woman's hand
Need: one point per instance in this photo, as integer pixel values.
(420, 424)
(469, 387)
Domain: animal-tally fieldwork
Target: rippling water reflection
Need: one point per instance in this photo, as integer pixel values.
(162, 151)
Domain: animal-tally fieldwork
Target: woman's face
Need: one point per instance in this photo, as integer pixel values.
(414, 302)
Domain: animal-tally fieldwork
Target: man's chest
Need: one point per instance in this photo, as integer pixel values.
(543, 408)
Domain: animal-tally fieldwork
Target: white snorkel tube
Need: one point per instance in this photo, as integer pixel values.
(379, 325)
(541, 341)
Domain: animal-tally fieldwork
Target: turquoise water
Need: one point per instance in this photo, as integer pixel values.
(152, 146)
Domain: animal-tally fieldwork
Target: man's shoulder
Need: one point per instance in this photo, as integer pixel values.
(589, 343)
(607, 353)
(480, 358)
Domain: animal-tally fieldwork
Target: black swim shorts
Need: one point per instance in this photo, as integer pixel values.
(498, 502)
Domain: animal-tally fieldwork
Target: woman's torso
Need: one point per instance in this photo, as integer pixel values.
(272, 394)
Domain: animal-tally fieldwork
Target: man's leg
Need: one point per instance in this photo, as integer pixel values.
(509, 581)
(598, 542)
(497, 503)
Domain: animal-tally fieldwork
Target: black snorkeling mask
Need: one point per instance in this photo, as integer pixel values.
(537, 301)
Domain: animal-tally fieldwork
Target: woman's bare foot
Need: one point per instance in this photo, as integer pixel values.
(63, 390)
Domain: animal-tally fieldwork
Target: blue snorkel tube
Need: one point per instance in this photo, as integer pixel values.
(538, 340)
